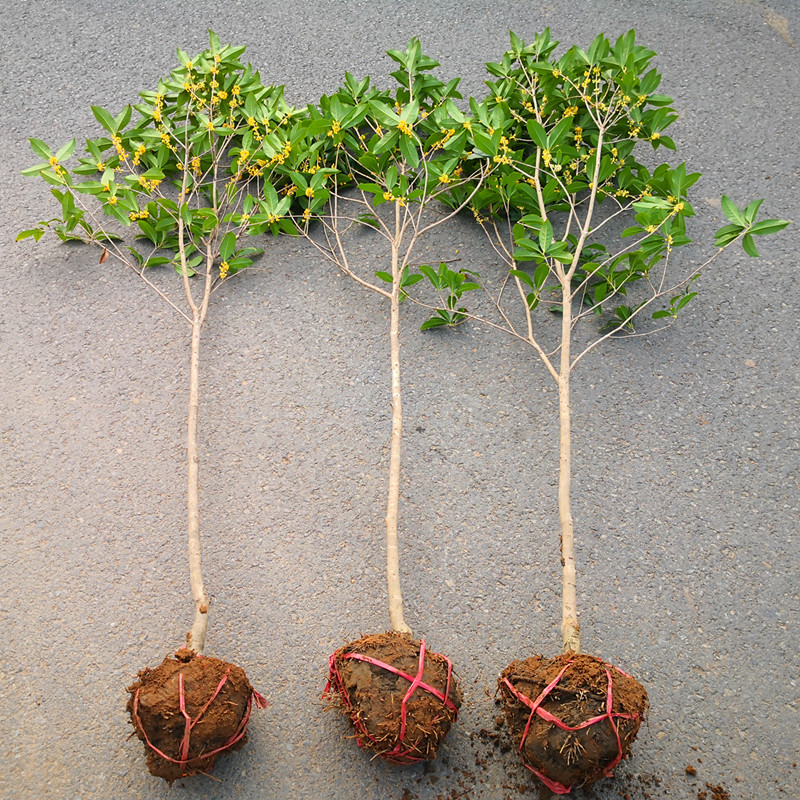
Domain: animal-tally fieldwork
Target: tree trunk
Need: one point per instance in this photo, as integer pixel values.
(196, 638)
(398, 623)
(570, 630)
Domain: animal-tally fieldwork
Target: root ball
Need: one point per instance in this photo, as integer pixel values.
(399, 711)
(188, 711)
(573, 718)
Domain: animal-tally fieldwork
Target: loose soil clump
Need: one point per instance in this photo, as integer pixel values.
(574, 716)
(398, 713)
(188, 711)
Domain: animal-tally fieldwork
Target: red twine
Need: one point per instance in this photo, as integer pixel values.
(184, 760)
(610, 715)
(397, 755)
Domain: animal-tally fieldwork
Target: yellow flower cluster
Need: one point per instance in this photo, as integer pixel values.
(405, 128)
(224, 267)
(280, 158)
(503, 157)
(148, 185)
(448, 134)
(335, 128)
(134, 215)
(121, 151)
(140, 151)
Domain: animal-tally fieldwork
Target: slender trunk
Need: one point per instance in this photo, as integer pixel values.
(570, 630)
(397, 621)
(196, 638)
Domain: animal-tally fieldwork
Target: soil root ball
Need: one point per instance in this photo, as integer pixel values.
(574, 716)
(188, 711)
(399, 711)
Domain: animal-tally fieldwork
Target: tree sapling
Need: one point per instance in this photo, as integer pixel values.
(563, 133)
(193, 174)
(397, 151)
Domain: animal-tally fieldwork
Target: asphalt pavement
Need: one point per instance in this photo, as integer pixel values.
(685, 445)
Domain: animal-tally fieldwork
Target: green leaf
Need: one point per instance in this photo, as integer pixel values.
(37, 234)
(409, 150)
(227, 246)
(41, 149)
(410, 280)
(749, 246)
(558, 133)
(123, 118)
(66, 151)
(523, 276)
(537, 133)
(767, 226)
(687, 298)
(384, 276)
(35, 170)
(430, 273)
(433, 322)
(369, 219)
(732, 212)
(751, 211)
(104, 118)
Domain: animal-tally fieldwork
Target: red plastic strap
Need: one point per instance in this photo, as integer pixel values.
(610, 715)
(397, 755)
(190, 723)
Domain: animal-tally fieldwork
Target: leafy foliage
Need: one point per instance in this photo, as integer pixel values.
(564, 133)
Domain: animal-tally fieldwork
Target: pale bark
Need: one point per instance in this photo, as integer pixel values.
(397, 621)
(196, 638)
(570, 630)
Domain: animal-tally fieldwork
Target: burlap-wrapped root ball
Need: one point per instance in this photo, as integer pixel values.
(573, 718)
(188, 711)
(400, 697)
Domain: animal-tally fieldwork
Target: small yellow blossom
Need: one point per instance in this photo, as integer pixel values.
(112, 201)
(309, 192)
(404, 127)
(444, 178)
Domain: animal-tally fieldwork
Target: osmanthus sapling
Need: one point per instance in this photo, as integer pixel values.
(386, 156)
(194, 173)
(566, 133)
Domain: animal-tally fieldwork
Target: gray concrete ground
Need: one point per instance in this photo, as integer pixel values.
(686, 481)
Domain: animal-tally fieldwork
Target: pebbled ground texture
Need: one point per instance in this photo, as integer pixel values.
(685, 444)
